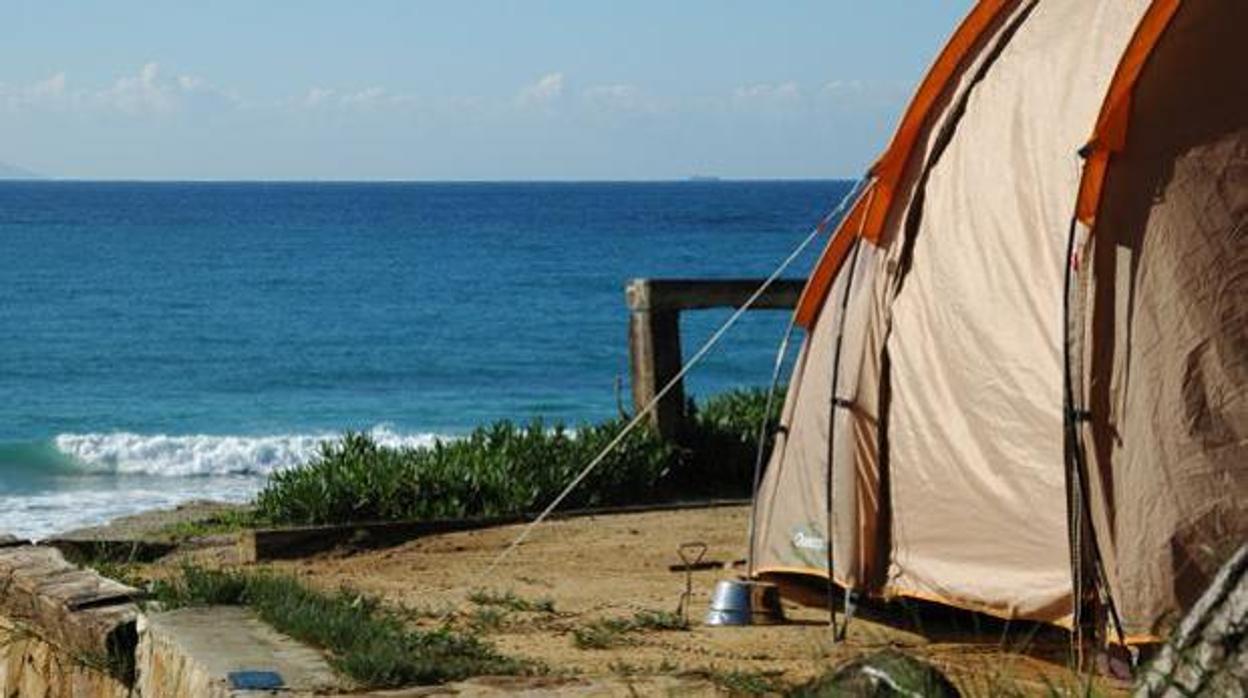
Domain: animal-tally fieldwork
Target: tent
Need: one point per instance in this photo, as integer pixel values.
(1023, 385)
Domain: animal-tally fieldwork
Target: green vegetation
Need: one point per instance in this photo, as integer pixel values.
(744, 683)
(505, 469)
(510, 601)
(230, 521)
(366, 641)
(612, 632)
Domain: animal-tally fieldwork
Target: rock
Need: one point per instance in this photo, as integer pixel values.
(1208, 654)
(8, 540)
(74, 609)
(32, 668)
(887, 674)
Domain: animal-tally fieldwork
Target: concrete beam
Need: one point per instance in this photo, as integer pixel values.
(699, 294)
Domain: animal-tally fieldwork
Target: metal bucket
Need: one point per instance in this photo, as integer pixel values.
(737, 602)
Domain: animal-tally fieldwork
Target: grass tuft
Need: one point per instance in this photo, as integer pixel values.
(743, 683)
(512, 602)
(613, 632)
(231, 521)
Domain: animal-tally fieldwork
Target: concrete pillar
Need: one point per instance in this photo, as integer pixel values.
(655, 358)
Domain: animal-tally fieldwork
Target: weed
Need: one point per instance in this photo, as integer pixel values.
(512, 602)
(743, 683)
(127, 573)
(612, 632)
(658, 620)
(487, 619)
(230, 521)
(600, 634)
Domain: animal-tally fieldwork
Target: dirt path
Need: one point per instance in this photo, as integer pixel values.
(612, 567)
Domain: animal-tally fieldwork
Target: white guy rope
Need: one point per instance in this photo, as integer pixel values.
(649, 407)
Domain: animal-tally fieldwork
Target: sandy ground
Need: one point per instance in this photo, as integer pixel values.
(614, 566)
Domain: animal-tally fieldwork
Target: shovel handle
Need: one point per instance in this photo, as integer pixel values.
(691, 553)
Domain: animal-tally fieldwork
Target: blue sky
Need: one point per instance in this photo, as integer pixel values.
(424, 89)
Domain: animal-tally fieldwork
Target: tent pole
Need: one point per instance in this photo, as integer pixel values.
(1076, 468)
(835, 403)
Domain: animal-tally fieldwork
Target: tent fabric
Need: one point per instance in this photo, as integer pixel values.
(977, 365)
(946, 455)
(1169, 379)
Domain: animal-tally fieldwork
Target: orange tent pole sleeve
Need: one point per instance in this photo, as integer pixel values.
(867, 216)
(889, 168)
(820, 281)
(1110, 134)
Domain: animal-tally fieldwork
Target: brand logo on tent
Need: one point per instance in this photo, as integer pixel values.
(809, 541)
(808, 546)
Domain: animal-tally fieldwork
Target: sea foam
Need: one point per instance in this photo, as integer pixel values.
(126, 453)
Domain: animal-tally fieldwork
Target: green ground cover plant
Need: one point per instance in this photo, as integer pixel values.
(366, 641)
(510, 601)
(613, 632)
(506, 468)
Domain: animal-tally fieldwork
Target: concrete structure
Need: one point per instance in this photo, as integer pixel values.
(191, 653)
(654, 332)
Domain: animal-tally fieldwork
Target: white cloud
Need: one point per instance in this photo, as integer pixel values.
(145, 92)
(190, 83)
(53, 87)
(864, 94)
(366, 98)
(548, 89)
(317, 96)
(766, 92)
(624, 98)
(49, 93)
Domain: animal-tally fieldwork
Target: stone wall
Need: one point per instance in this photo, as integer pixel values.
(32, 668)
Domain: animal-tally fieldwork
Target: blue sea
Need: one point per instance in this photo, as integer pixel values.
(168, 341)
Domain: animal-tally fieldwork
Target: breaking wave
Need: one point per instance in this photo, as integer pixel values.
(125, 453)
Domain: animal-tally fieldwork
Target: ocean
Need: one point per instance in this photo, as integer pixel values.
(169, 341)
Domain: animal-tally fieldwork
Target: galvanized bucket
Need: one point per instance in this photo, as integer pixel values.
(739, 602)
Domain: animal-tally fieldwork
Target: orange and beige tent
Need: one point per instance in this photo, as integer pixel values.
(1023, 388)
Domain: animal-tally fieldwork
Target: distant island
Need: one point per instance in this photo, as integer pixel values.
(8, 171)
(703, 178)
